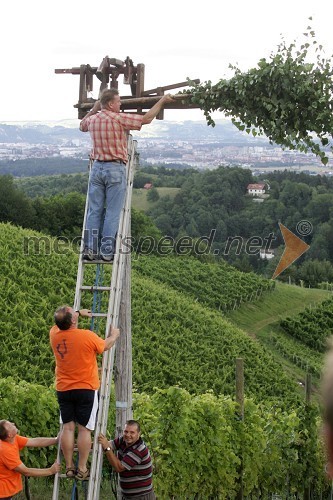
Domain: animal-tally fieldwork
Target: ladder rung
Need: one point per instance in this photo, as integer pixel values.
(99, 315)
(96, 288)
(63, 476)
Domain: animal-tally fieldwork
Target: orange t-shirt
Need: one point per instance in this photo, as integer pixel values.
(10, 480)
(75, 353)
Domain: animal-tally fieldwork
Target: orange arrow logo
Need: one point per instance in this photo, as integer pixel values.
(295, 247)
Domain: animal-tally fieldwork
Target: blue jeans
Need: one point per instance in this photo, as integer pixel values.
(107, 187)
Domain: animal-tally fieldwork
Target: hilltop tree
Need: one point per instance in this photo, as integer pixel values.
(15, 207)
(153, 195)
(288, 98)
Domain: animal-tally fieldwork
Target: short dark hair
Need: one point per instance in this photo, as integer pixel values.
(3, 430)
(134, 422)
(63, 318)
(107, 95)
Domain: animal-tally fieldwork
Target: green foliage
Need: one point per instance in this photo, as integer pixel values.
(197, 443)
(313, 272)
(143, 231)
(194, 434)
(14, 205)
(206, 201)
(313, 326)
(216, 285)
(153, 195)
(287, 97)
(34, 279)
(190, 344)
(60, 215)
(50, 185)
(49, 166)
(176, 341)
(298, 353)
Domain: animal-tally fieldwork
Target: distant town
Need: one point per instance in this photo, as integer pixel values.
(191, 144)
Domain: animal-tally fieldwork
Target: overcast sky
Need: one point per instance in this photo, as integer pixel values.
(174, 39)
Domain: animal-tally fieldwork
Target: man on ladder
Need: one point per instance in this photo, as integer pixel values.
(107, 182)
(77, 382)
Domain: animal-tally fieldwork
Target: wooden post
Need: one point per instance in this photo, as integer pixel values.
(140, 80)
(240, 410)
(307, 489)
(308, 388)
(139, 86)
(123, 366)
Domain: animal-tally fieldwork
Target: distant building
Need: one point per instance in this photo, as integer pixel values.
(148, 185)
(256, 189)
(269, 254)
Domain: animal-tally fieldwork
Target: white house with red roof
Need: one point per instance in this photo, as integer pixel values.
(256, 189)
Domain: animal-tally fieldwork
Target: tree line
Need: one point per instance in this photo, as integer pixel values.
(60, 214)
(207, 200)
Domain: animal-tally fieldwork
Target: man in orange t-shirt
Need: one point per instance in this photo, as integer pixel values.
(11, 466)
(77, 382)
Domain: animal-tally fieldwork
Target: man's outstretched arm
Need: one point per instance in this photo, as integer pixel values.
(41, 441)
(153, 112)
(32, 472)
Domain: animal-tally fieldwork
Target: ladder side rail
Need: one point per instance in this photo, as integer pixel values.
(79, 278)
(56, 482)
(113, 314)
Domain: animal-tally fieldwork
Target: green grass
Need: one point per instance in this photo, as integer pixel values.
(41, 489)
(139, 197)
(261, 319)
(287, 300)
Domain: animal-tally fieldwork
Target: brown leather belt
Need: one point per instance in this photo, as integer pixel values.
(112, 161)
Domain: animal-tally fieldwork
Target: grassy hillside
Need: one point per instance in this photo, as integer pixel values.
(139, 197)
(261, 321)
(287, 300)
(176, 339)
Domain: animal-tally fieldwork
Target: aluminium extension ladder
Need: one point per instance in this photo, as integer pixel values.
(114, 290)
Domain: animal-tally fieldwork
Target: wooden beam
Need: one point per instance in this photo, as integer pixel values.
(180, 102)
(73, 71)
(169, 87)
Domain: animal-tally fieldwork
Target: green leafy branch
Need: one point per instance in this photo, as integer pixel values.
(287, 97)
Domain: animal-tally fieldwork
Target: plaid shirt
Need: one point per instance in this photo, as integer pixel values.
(109, 133)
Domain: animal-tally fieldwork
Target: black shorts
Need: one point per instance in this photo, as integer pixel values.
(78, 405)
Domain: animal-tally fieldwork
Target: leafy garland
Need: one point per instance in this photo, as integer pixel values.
(286, 98)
